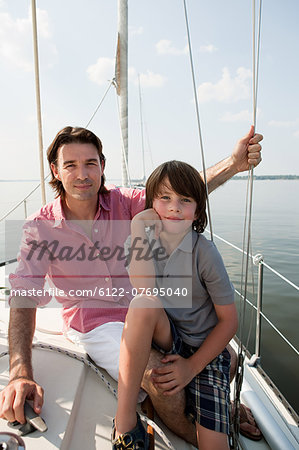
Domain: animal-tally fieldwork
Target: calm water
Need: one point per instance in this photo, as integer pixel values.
(275, 234)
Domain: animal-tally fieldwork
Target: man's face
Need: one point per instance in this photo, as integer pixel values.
(80, 171)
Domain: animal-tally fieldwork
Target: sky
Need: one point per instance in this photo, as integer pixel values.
(77, 44)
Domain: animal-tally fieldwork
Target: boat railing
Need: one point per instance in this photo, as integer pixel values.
(23, 202)
(258, 260)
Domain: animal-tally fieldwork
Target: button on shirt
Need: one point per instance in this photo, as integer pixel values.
(87, 276)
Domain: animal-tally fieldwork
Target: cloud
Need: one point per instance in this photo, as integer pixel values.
(151, 79)
(228, 88)
(43, 24)
(284, 123)
(102, 71)
(132, 74)
(133, 31)
(16, 39)
(242, 116)
(165, 47)
(210, 48)
(148, 79)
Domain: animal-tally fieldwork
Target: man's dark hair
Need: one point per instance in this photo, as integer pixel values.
(70, 135)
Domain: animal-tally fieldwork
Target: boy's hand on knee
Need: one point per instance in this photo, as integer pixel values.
(174, 376)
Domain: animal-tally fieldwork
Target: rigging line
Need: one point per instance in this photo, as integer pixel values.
(249, 198)
(99, 105)
(253, 64)
(198, 117)
(253, 296)
(22, 201)
(149, 145)
(123, 145)
(36, 187)
(249, 195)
(258, 54)
(244, 253)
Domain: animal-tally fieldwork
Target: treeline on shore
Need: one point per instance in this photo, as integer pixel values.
(268, 177)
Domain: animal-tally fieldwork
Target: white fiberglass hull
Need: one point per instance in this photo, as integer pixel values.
(79, 408)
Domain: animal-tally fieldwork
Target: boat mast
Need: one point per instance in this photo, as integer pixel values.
(142, 135)
(38, 103)
(122, 83)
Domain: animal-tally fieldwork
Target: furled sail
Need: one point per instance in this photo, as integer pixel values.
(121, 77)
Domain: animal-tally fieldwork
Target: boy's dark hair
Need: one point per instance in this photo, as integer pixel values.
(69, 135)
(184, 180)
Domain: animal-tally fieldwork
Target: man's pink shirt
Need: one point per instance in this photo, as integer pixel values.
(72, 272)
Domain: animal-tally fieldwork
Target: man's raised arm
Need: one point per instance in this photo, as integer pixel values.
(21, 384)
(246, 153)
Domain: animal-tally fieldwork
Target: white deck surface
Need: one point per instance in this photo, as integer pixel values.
(79, 408)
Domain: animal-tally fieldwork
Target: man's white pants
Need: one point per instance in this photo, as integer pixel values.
(102, 344)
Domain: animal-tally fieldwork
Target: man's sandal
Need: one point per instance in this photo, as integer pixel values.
(136, 439)
(247, 417)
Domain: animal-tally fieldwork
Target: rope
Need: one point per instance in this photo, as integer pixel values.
(99, 105)
(198, 117)
(22, 201)
(88, 123)
(107, 383)
(247, 233)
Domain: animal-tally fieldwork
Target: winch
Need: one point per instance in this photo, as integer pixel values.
(10, 441)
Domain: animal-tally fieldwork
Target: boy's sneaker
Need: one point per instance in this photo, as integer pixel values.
(136, 439)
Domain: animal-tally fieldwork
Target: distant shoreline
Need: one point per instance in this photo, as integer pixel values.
(236, 177)
(19, 181)
(267, 177)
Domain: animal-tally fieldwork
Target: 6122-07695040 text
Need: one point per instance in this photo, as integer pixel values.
(100, 292)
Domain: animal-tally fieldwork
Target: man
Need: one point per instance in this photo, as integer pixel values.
(81, 217)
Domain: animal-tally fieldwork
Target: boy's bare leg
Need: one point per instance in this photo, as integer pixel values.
(171, 410)
(211, 440)
(143, 322)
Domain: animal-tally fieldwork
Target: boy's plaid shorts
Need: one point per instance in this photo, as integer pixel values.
(208, 394)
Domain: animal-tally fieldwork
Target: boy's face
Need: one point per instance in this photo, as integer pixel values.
(176, 211)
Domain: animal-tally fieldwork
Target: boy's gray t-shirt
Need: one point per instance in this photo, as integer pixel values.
(199, 257)
(196, 266)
